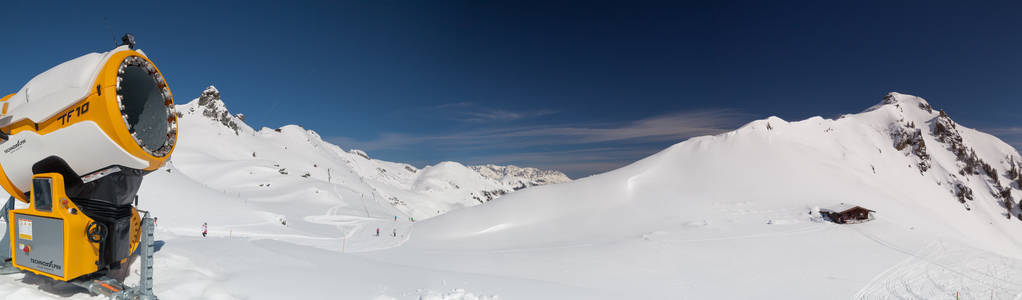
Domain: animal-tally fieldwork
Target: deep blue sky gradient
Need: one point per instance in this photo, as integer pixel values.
(582, 87)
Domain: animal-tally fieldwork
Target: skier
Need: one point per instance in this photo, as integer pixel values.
(395, 218)
(395, 232)
(377, 231)
(203, 229)
(283, 221)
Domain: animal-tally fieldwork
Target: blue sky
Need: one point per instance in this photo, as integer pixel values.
(580, 87)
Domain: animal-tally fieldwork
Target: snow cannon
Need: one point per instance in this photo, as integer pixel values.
(85, 116)
(75, 142)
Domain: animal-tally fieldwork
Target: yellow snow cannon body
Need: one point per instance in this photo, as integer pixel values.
(75, 142)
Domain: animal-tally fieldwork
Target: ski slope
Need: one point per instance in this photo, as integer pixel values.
(730, 216)
(288, 186)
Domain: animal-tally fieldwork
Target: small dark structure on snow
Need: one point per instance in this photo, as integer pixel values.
(847, 214)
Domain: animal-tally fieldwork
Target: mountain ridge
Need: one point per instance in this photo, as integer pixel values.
(417, 193)
(520, 177)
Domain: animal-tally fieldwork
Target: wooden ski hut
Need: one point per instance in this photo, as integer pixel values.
(847, 213)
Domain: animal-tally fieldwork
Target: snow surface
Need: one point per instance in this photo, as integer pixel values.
(247, 184)
(731, 216)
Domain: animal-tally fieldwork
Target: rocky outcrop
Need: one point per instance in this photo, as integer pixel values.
(967, 164)
(908, 136)
(213, 108)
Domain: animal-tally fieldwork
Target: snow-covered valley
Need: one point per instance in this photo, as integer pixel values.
(730, 216)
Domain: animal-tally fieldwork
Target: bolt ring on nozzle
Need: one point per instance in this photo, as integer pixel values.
(132, 101)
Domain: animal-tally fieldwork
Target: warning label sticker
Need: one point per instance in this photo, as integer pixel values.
(25, 229)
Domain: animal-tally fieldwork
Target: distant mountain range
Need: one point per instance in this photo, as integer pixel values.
(214, 135)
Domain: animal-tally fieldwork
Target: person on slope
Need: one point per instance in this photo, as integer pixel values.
(204, 229)
(377, 231)
(395, 232)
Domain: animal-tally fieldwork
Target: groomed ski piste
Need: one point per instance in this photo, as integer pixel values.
(730, 216)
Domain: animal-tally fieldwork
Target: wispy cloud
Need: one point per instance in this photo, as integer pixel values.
(1004, 131)
(671, 127)
(581, 148)
(472, 112)
(666, 127)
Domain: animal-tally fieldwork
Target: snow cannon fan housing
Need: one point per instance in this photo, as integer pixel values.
(101, 120)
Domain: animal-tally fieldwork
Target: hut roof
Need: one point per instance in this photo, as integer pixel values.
(843, 207)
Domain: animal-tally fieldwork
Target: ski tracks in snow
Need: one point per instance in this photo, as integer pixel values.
(940, 270)
(358, 234)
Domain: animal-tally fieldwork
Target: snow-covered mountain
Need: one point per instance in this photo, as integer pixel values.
(217, 137)
(736, 216)
(519, 177)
